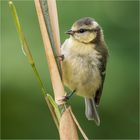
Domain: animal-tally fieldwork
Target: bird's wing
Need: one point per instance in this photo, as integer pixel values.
(102, 69)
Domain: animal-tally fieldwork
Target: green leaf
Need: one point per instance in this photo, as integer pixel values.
(21, 35)
(55, 106)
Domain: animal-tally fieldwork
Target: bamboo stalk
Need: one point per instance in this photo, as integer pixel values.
(67, 128)
(54, 23)
(45, 11)
(54, 73)
(48, 17)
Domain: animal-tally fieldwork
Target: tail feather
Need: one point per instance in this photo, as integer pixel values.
(91, 111)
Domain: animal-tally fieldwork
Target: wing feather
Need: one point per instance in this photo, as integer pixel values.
(102, 68)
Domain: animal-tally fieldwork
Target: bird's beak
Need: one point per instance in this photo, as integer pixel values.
(70, 32)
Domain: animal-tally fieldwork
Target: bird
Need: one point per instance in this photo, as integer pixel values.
(85, 56)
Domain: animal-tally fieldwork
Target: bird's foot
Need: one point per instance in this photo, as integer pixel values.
(67, 97)
(60, 57)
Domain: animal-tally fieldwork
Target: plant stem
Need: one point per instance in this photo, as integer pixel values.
(25, 47)
(54, 73)
(53, 108)
(45, 10)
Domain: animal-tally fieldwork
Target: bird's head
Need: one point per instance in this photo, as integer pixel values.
(85, 30)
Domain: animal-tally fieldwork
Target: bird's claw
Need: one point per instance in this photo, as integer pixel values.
(67, 97)
(60, 57)
(64, 99)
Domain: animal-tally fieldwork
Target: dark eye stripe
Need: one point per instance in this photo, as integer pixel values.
(82, 30)
(85, 30)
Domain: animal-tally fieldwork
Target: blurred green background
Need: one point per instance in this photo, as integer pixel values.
(24, 112)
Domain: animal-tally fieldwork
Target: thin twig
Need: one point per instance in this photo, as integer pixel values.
(78, 125)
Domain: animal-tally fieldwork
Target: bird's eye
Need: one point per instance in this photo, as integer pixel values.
(81, 30)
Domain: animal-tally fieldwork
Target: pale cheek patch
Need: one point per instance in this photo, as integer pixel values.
(93, 35)
(85, 37)
(90, 37)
